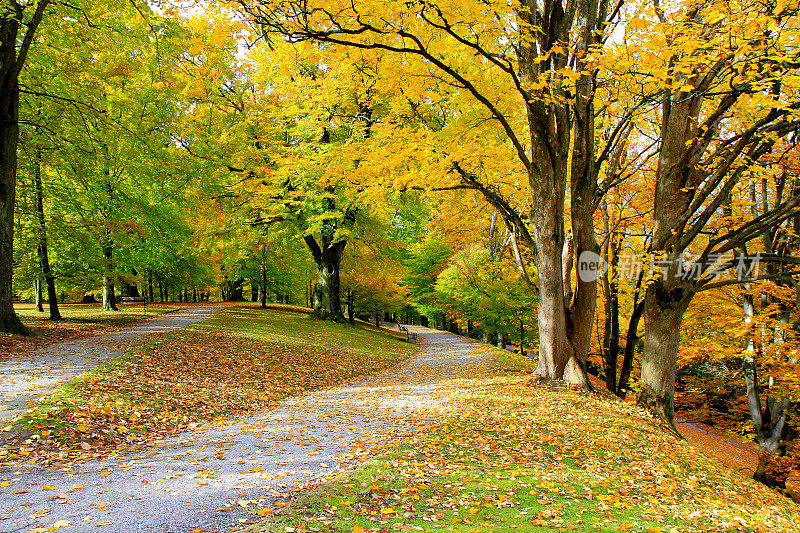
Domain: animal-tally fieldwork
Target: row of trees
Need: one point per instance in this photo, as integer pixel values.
(542, 105)
(550, 133)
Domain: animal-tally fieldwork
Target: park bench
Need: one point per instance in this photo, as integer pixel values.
(124, 300)
(410, 336)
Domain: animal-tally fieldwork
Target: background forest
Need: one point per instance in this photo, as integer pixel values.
(440, 163)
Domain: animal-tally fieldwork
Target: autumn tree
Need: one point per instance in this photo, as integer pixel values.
(18, 27)
(528, 71)
(728, 80)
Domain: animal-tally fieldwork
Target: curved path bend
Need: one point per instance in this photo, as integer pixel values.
(26, 378)
(215, 478)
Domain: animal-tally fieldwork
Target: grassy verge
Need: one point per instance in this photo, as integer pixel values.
(238, 361)
(79, 321)
(520, 456)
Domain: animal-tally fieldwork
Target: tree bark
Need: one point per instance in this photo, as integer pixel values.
(9, 136)
(37, 295)
(12, 59)
(665, 304)
(327, 291)
(631, 339)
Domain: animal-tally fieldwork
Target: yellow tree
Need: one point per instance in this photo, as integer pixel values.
(729, 84)
(527, 74)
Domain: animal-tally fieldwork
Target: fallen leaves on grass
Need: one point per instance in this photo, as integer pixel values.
(541, 458)
(180, 380)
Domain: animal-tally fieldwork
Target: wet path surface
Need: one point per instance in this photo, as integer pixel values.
(213, 479)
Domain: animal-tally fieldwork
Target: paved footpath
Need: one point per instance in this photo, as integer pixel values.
(28, 377)
(214, 478)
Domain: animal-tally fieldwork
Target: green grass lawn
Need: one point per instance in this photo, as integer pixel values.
(299, 328)
(517, 455)
(236, 362)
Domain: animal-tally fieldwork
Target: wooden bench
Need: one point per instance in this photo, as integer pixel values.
(133, 300)
(410, 336)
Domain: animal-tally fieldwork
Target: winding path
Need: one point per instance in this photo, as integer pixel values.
(212, 479)
(24, 378)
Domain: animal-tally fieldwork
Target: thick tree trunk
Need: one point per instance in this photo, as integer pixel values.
(554, 349)
(665, 304)
(12, 60)
(327, 292)
(9, 136)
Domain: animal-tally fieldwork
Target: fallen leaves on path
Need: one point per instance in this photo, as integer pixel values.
(179, 381)
(79, 321)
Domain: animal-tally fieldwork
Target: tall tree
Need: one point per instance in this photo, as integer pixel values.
(730, 98)
(18, 25)
(529, 70)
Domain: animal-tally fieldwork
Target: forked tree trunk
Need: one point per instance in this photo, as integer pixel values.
(327, 291)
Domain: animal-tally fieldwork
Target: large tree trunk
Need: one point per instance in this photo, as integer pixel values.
(12, 60)
(668, 296)
(9, 136)
(665, 304)
(43, 249)
(554, 349)
(327, 292)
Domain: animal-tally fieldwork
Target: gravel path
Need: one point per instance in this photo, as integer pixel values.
(214, 479)
(28, 377)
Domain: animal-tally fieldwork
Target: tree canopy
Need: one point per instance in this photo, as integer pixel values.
(593, 182)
